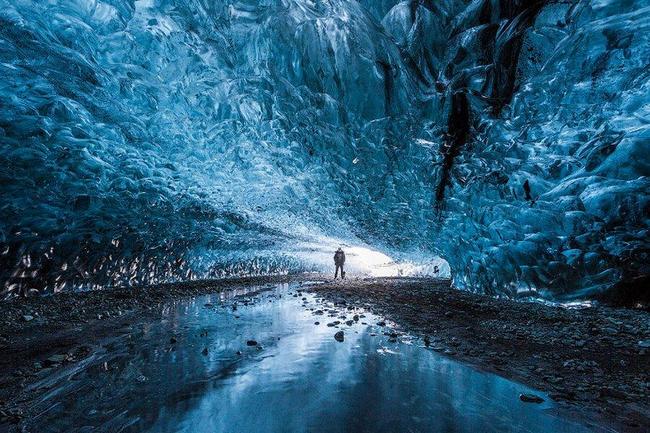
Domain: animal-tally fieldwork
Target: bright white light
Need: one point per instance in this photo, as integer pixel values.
(365, 262)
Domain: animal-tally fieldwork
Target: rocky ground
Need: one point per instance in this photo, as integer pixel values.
(40, 333)
(593, 361)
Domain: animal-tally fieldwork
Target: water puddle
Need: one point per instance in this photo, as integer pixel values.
(197, 371)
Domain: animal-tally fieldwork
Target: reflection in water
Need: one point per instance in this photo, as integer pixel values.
(298, 378)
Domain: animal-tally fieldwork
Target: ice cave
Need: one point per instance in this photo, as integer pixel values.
(503, 145)
(149, 141)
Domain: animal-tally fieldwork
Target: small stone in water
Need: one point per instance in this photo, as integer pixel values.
(339, 336)
(530, 398)
(55, 359)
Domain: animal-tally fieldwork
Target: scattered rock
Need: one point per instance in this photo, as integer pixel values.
(173, 340)
(205, 351)
(28, 318)
(251, 343)
(339, 336)
(381, 323)
(13, 415)
(612, 392)
(530, 398)
(54, 360)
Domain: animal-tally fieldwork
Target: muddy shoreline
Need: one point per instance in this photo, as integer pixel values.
(593, 361)
(590, 360)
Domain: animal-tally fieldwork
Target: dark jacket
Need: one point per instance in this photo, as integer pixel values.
(339, 258)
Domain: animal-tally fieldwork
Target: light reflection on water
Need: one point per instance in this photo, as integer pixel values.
(302, 380)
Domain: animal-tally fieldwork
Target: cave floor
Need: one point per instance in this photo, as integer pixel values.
(592, 361)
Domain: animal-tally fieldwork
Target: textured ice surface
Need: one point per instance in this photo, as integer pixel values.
(153, 140)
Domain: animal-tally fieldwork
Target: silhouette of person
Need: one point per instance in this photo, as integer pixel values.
(339, 260)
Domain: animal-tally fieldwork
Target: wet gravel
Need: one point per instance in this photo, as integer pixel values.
(40, 333)
(595, 359)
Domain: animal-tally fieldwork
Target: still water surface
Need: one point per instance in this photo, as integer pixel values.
(297, 379)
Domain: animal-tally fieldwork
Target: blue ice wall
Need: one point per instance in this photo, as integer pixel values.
(157, 140)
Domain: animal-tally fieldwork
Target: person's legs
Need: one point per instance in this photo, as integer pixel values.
(336, 272)
(342, 273)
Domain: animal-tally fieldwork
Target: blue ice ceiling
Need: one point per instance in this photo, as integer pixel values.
(159, 140)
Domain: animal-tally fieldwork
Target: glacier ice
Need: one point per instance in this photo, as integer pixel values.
(156, 140)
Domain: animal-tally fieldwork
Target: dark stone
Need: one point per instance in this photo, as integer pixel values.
(530, 398)
(251, 343)
(205, 351)
(54, 360)
(339, 336)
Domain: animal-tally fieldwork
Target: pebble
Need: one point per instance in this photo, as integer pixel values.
(251, 343)
(55, 360)
(339, 336)
(530, 398)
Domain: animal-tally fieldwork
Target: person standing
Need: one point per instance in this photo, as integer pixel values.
(339, 260)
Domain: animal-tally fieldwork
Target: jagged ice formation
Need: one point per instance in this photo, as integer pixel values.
(157, 140)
